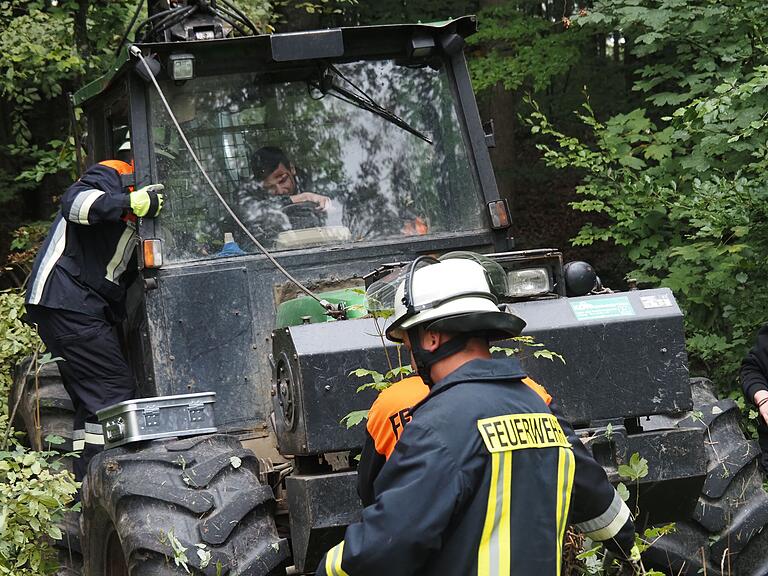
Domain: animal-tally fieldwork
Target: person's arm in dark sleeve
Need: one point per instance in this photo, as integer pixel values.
(96, 197)
(597, 510)
(371, 463)
(405, 525)
(754, 367)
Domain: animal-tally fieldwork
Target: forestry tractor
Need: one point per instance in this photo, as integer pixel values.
(261, 302)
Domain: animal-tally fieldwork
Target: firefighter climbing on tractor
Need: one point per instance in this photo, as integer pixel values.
(482, 456)
(76, 293)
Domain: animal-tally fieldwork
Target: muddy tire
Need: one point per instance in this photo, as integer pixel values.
(56, 410)
(138, 502)
(728, 533)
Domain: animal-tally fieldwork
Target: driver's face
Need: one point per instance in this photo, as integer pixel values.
(281, 182)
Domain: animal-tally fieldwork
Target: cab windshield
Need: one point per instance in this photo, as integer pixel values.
(304, 165)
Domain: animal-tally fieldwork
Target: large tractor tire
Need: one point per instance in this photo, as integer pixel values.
(55, 406)
(147, 506)
(728, 533)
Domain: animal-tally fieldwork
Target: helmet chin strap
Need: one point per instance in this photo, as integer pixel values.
(426, 359)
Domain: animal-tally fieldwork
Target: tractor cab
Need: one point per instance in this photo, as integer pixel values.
(336, 139)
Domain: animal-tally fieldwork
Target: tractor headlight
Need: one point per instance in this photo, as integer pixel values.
(528, 282)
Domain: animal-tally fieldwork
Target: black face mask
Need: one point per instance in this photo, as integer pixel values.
(425, 359)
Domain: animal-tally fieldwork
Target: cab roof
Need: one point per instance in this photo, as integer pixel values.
(231, 55)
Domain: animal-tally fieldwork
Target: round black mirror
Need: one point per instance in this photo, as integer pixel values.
(580, 278)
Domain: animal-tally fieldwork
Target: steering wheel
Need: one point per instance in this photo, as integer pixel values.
(304, 215)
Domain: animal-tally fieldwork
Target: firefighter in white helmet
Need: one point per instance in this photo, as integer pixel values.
(486, 476)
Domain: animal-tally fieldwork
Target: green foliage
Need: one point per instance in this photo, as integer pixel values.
(322, 7)
(260, 12)
(17, 340)
(34, 491)
(521, 346)
(518, 48)
(635, 469)
(179, 550)
(46, 50)
(34, 494)
(378, 382)
(354, 418)
(29, 236)
(381, 381)
(31, 71)
(594, 557)
(682, 182)
(25, 243)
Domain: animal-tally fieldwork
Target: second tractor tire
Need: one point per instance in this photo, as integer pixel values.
(148, 507)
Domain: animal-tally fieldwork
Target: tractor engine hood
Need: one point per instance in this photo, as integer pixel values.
(624, 358)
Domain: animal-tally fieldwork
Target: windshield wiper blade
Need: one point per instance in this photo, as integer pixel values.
(365, 102)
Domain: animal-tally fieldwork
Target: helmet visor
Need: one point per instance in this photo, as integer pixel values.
(380, 296)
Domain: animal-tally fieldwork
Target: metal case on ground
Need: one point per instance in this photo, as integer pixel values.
(161, 417)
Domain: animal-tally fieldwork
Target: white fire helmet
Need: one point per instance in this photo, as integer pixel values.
(451, 295)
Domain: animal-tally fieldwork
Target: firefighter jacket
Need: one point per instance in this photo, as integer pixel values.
(387, 418)
(82, 262)
(481, 482)
(754, 367)
(754, 377)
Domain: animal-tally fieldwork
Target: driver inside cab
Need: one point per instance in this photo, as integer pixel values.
(276, 203)
(278, 177)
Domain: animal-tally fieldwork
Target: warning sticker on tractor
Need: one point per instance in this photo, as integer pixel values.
(656, 301)
(597, 308)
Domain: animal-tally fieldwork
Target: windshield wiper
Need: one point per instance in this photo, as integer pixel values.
(362, 100)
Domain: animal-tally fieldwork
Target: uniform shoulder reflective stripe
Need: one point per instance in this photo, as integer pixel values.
(566, 467)
(608, 524)
(333, 561)
(81, 205)
(52, 254)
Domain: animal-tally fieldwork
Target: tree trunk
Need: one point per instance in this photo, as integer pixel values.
(81, 29)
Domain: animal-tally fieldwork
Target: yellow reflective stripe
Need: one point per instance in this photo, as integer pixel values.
(328, 562)
(333, 561)
(565, 473)
(505, 524)
(494, 553)
(337, 564)
(484, 553)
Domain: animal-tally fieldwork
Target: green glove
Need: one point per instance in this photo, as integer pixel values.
(147, 201)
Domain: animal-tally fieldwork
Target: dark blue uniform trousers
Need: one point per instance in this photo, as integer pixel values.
(92, 367)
